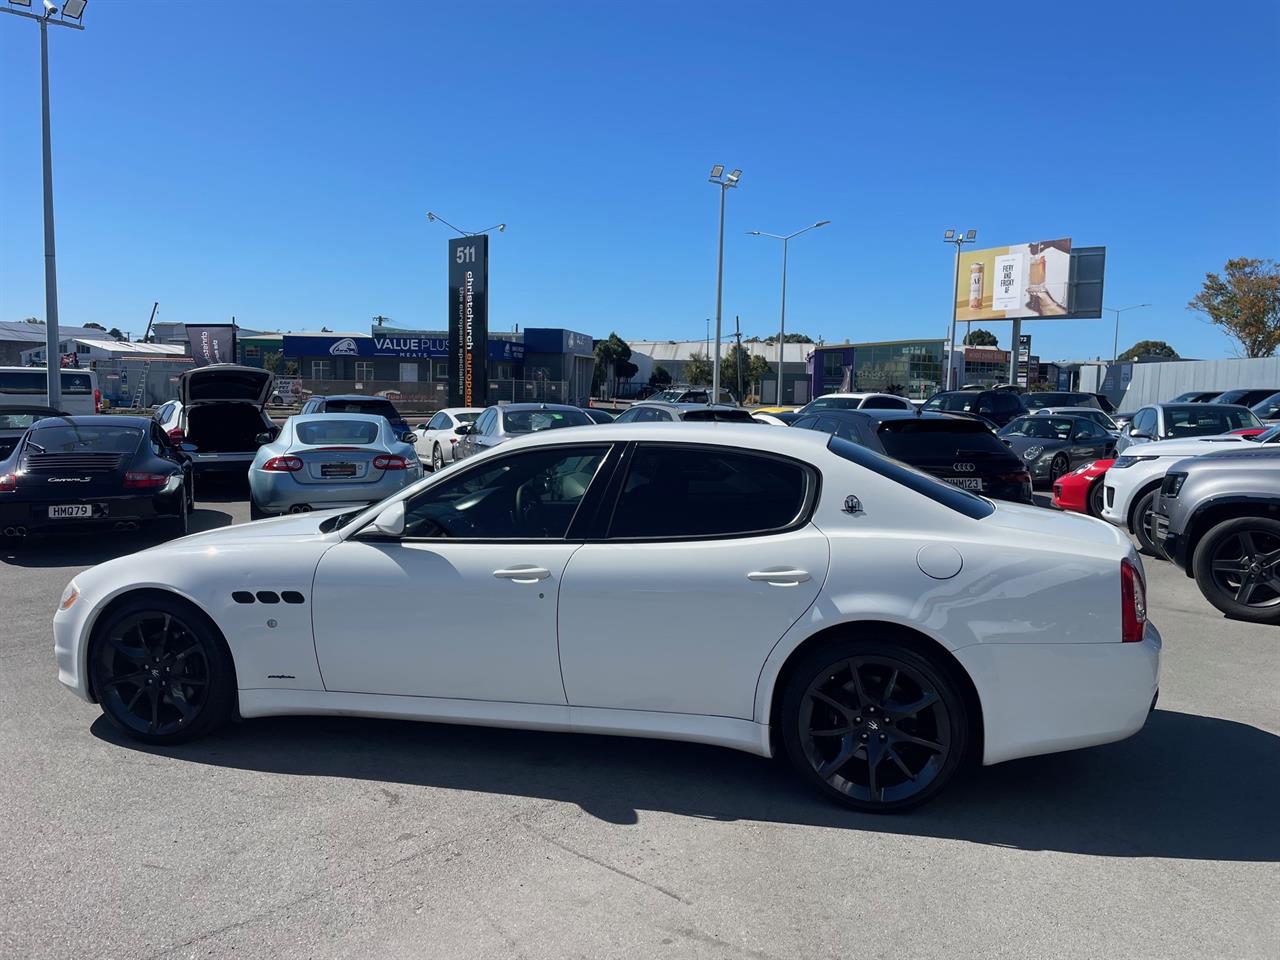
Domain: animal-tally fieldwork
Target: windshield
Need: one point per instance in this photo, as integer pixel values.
(531, 421)
(961, 501)
(1042, 428)
(943, 438)
(372, 406)
(831, 403)
(329, 430)
(1035, 401)
(82, 438)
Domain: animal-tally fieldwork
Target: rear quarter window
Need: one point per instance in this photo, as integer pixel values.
(953, 498)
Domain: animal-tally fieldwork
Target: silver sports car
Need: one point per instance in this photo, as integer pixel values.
(329, 460)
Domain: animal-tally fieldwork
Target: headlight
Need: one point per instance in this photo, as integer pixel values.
(1122, 462)
(69, 596)
(1172, 484)
(1031, 453)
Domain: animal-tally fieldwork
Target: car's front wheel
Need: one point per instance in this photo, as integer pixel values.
(875, 725)
(1143, 523)
(1096, 499)
(160, 671)
(1237, 568)
(1058, 467)
(437, 458)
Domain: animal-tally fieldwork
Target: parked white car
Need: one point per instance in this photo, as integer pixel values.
(857, 401)
(878, 626)
(437, 439)
(1132, 484)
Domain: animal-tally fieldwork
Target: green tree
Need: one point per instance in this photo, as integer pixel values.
(94, 326)
(613, 360)
(790, 338)
(660, 377)
(736, 358)
(1245, 303)
(1149, 348)
(115, 333)
(272, 360)
(756, 371)
(981, 338)
(697, 370)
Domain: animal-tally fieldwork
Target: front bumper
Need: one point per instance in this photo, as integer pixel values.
(1047, 697)
(1172, 545)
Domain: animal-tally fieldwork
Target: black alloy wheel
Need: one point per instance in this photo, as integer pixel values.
(1096, 499)
(874, 725)
(1143, 523)
(437, 458)
(1058, 467)
(1237, 567)
(160, 672)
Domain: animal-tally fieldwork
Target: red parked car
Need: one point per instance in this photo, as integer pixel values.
(1081, 490)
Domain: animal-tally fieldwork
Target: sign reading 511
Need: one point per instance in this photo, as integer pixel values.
(468, 321)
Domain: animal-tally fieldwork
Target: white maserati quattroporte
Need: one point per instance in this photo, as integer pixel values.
(775, 591)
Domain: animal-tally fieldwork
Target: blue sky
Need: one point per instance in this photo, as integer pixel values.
(275, 161)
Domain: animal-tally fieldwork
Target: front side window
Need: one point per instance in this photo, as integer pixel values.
(683, 491)
(485, 424)
(1144, 422)
(1202, 419)
(525, 496)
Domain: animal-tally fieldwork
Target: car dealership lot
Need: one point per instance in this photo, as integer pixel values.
(346, 837)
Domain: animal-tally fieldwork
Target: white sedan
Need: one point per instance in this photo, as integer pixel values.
(438, 438)
(768, 591)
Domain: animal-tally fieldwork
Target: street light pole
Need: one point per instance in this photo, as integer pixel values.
(782, 322)
(959, 238)
(1115, 340)
(53, 356)
(725, 183)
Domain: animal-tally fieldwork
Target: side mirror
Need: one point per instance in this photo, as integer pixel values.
(188, 447)
(462, 429)
(408, 437)
(1139, 434)
(388, 523)
(266, 436)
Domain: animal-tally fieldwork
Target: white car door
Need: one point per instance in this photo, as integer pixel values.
(464, 604)
(709, 559)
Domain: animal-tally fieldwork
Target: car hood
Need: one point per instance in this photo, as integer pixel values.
(1020, 444)
(1189, 447)
(1033, 524)
(299, 525)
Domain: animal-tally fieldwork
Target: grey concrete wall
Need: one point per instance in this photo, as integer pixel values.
(1159, 382)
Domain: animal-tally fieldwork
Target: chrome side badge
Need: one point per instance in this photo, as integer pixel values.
(852, 505)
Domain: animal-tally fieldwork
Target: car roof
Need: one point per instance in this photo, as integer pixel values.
(858, 395)
(457, 410)
(880, 415)
(800, 443)
(523, 407)
(1057, 410)
(1197, 407)
(352, 396)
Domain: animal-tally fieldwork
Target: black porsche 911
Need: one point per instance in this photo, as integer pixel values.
(94, 471)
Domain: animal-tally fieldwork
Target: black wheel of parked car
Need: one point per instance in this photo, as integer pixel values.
(181, 524)
(256, 512)
(1142, 523)
(437, 458)
(1060, 465)
(160, 671)
(874, 725)
(1096, 499)
(1237, 567)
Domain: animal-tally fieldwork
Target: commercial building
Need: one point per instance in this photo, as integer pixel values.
(130, 373)
(15, 338)
(674, 355)
(911, 368)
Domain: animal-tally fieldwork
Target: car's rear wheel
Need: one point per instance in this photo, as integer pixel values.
(1058, 467)
(256, 512)
(1143, 523)
(160, 671)
(1096, 499)
(877, 726)
(181, 524)
(437, 458)
(1237, 567)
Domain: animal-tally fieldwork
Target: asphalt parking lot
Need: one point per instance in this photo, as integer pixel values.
(359, 838)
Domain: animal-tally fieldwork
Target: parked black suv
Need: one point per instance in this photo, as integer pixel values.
(997, 406)
(961, 450)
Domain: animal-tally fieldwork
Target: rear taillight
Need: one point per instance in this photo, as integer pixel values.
(176, 436)
(97, 400)
(1133, 602)
(134, 480)
(8, 482)
(283, 465)
(390, 461)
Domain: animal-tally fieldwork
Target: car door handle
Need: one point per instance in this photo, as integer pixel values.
(523, 574)
(779, 578)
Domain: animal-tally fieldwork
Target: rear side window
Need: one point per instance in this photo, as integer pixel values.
(961, 501)
(926, 439)
(76, 384)
(23, 381)
(682, 491)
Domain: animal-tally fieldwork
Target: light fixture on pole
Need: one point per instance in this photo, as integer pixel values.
(782, 324)
(724, 182)
(433, 217)
(959, 238)
(53, 355)
(1115, 341)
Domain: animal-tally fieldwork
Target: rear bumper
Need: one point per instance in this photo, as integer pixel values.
(108, 511)
(280, 492)
(1047, 697)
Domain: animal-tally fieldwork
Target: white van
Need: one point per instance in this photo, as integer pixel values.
(29, 386)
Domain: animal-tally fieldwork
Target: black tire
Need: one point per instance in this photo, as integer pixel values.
(256, 512)
(1059, 466)
(825, 716)
(1097, 499)
(437, 458)
(180, 525)
(1141, 520)
(1224, 568)
(160, 671)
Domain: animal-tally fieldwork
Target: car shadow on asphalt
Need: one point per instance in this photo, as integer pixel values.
(84, 548)
(1186, 787)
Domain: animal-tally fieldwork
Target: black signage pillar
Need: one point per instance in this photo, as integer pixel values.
(468, 321)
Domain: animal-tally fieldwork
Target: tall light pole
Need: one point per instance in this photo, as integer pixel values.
(725, 182)
(74, 9)
(782, 323)
(1115, 341)
(433, 217)
(959, 238)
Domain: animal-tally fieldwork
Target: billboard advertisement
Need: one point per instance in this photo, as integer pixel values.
(212, 342)
(1026, 280)
(468, 321)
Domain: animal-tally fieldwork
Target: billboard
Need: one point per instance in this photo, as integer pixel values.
(1026, 280)
(212, 342)
(468, 321)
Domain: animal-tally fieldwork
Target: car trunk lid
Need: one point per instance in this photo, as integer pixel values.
(225, 382)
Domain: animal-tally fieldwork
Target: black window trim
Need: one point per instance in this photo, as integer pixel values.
(813, 491)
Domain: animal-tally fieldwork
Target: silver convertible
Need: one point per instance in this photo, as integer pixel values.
(320, 461)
